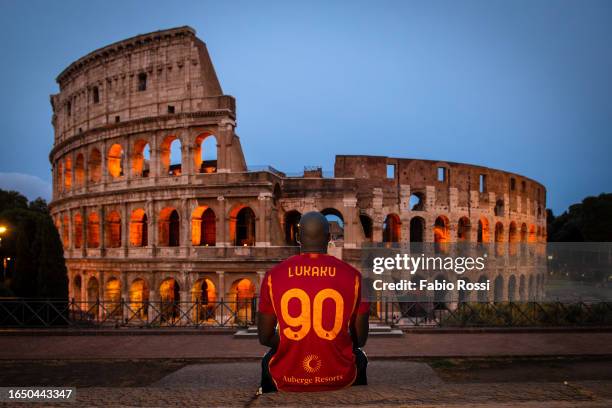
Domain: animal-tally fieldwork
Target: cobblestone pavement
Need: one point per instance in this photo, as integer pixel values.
(391, 383)
(225, 346)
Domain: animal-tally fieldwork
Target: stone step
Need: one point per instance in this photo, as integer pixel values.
(378, 330)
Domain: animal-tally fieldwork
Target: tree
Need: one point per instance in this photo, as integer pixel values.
(589, 221)
(34, 244)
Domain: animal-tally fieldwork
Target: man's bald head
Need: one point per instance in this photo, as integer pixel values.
(314, 232)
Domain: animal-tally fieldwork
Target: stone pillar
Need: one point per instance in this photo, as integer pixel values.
(262, 224)
(127, 160)
(104, 165)
(430, 198)
(222, 296)
(222, 224)
(378, 216)
(351, 218)
(185, 225)
(102, 220)
(85, 232)
(125, 295)
(125, 227)
(453, 198)
(151, 225)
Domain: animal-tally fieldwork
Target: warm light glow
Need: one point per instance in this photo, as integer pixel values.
(2, 229)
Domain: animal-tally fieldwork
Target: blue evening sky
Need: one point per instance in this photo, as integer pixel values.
(524, 86)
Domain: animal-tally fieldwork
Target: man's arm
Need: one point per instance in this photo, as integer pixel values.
(266, 330)
(359, 329)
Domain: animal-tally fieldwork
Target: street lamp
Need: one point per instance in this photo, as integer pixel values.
(3, 229)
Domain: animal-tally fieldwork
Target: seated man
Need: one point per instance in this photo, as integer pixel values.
(316, 300)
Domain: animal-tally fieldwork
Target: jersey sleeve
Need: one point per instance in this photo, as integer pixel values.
(265, 301)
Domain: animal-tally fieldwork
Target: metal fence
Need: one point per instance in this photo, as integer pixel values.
(495, 314)
(29, 313)
(101, 313)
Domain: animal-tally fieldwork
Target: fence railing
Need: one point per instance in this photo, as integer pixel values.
(103, 313)
(35, 313)
(495, 314)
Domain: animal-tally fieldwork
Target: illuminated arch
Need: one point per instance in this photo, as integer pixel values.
(115, 160)
(93, 230)
(441, 230)
(171, 146)
(169, 227)
(77, 223)
(242, 226)
(141, 158)
(392, 228)
(139, 229)
(464, 229)
(94, 166)
(139, 298)
(203, 227)
(112, 230)
(205, 153)
(79, 170)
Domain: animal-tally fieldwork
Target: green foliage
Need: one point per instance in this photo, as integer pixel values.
(32, 241)
(532, 314)
(589, 221)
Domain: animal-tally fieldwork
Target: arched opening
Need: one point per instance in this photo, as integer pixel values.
(66, 231)
(441, 230)
(139, 229)
(532, 234)
(139, 298)
(464, 229)
(417, 229)
(68, 174)
(94, 166)
(513, 236)
(523, 232)
(498, 289)
(417, 202)
(483, 295)
(112, 297)
(205, 153)
(113, 230)
(499, 208)
(115, 160)
(203, 227)
(499, 232)
(93, 292)
(392, 228)
(242, 226)
(367, 226)
(499, 238)
(78, 230)
(76, 288)
(141, 159)
(203, 294)
(79, 170)
(336, 225)
(292, 225)
(171, 156)
(483, 230)
(93, 230)
(169, 227)
(522, 289)
(243, 292)
(512, 289)
(170, 297)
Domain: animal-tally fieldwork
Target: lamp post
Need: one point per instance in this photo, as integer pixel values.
(3, 230)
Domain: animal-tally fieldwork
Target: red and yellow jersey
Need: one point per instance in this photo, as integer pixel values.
(314, 297)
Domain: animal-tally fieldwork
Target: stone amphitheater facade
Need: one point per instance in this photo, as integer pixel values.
(137, 224)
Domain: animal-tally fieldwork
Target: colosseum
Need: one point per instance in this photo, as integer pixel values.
(154, 201)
